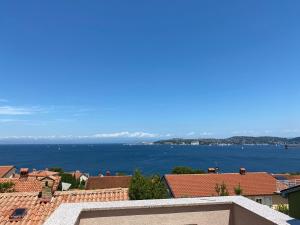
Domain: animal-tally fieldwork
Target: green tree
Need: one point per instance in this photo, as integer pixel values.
(142, 187)
(186, 170)
(221, 189)
(238, 190)
(120, 174)
(157, 188)
(7, 187)
(56, 169)
(67, 178)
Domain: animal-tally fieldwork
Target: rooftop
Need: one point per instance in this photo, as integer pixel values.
(28, 184)
(202, 185)
(38, 211)
(43, 173)
(108, 182)
(287, 191)
(4, 170)
(31, 184)
(230, 210)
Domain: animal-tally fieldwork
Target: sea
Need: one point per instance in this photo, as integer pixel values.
(150, 159)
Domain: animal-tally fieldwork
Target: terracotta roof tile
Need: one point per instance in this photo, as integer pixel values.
(203, 185)
(28, 184)
(43, 173)
(4, 170)
(38, 212)
(108, 182)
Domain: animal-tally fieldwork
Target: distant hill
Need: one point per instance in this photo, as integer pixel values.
(236, 140)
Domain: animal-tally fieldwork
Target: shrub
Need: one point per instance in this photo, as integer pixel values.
(282, 208)
(56, 169)
(6, 187)
(238, 190)
(186, 170)
(221, 189)
(142, 187)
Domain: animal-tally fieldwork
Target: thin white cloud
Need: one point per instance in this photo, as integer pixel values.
(10, 121)
(291, 131)
(244, 132)
(206, 133)
(191, 133)
(126, 134)
(13, 110)
(3, 100)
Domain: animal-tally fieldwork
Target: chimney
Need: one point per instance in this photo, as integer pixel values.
(242, 171)
(45, 195)
(24, 172)
(211, 170)
(107, 173)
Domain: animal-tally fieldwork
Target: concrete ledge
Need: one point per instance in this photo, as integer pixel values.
(69, 213)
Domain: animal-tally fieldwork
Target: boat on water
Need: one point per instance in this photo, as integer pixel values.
(292, 146)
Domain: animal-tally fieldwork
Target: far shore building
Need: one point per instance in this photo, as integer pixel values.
(7, 171)
(258, 186)
(104, 182)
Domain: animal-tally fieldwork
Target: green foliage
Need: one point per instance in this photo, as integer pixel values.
(56, 169)
(142, 187)
(120, 174)
(238, 190)
(295, 173)
(283, 208)
(81, 185)
(68, 178)
(221, 189)
(186, 170)
(6, 187)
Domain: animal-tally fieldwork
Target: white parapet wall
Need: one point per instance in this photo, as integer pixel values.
(230, 210)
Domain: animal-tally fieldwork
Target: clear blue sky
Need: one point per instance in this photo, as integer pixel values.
(149, 69)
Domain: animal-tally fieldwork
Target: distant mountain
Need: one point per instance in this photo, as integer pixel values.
(236, 140)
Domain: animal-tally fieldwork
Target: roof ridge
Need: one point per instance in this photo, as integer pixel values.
(109, 176)
(20, 194)
(59, 193)
(206, 174)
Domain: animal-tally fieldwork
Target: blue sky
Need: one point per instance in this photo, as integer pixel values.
(111, 70)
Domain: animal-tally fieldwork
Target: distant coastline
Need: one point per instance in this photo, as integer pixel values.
(236, 140)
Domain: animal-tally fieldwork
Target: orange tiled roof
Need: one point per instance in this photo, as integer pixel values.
(293, 177)
(203, 185)
(28, 184)
(108, 182)
(38, 212)
(56, 180)
(4, 170)
(43, 173)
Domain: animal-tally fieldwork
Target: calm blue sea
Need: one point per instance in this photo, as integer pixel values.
(150, 159)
